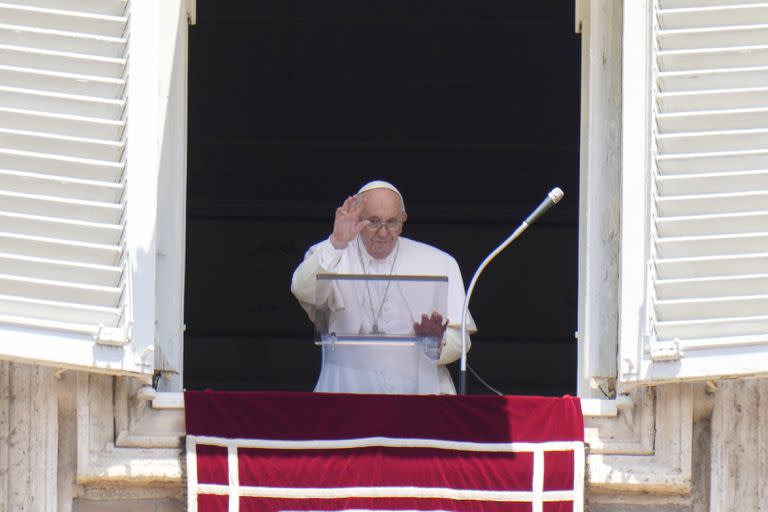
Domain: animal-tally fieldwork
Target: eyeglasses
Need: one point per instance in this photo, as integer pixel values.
(392, 225)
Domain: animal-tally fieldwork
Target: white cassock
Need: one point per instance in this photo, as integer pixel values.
(373, 370)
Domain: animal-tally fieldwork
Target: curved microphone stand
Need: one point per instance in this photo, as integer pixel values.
(555, 195)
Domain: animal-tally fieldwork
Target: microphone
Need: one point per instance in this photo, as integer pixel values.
(554, 196)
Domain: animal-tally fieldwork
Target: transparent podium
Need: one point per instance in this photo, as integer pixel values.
(365, 324)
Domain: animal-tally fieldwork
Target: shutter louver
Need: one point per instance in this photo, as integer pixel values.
(63, 72)
(709, 211)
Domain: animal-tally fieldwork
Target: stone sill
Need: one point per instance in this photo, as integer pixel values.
(591, 407)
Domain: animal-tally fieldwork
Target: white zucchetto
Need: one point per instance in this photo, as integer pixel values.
(371, 185)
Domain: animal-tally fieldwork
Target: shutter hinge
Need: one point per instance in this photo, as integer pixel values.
(665, 351)
(111, 336)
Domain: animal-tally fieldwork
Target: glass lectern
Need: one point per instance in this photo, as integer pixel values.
(365, 324)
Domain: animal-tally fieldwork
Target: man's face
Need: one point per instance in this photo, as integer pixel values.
(382, 206)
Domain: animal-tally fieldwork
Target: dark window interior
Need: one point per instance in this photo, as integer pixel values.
(470, 108)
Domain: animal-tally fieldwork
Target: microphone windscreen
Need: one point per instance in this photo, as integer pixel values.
(556, 194)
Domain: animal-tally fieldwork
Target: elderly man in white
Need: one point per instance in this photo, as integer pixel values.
(366, 240)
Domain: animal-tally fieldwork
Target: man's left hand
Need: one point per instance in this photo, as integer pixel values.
(431, 326)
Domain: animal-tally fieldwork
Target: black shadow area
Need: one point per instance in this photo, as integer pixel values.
(470, 108)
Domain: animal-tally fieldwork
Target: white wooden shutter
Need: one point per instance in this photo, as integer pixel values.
(66, 269)
(707, 273)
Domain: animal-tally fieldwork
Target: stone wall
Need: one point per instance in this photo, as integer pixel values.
(57, 446)
(76, 442)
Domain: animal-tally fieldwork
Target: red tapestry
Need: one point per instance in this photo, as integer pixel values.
(270, 452)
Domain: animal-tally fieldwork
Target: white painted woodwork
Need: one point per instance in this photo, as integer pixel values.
(51, 215)
(171, 221)
(599, 190)
(718, 38)
(701, 294)
(78, 183)
(635, 176)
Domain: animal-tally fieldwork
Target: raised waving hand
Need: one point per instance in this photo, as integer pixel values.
(347, 223)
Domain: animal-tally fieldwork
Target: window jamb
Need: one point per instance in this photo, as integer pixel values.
(600, 188)
(635, 196)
